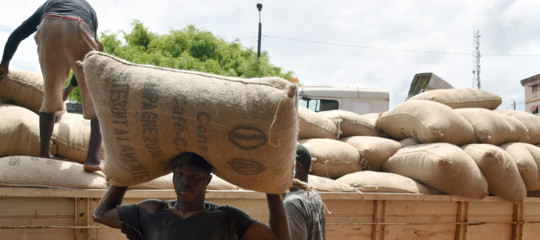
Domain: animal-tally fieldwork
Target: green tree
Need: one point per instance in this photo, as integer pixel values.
(190, 49)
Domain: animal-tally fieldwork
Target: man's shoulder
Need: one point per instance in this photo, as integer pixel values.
(212, 207)
(151, 205)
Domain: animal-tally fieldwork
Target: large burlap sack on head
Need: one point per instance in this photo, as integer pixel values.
(370, 181)
(531, 122)
(461, 97)
(246, 128)
(313, 125)
(332, 158)
(71, 137)
(500, 170)
(27, 171)
(426, 121)
(166, 182)
(352, 124)
(442, 166)
(324, 184)
(19, 131)
(493, 128)
(373, 150)
(527, 158)
(24, 89)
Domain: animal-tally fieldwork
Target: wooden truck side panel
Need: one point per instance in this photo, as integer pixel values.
(40, 213)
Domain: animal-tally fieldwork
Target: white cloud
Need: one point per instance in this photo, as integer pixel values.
(362, 33)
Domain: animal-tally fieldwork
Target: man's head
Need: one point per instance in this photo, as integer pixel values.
(189, 158)
(191, 175)
(303, 163)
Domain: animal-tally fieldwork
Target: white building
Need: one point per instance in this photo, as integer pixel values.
(532, 93)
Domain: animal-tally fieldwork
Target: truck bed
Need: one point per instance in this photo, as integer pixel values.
(43, 213)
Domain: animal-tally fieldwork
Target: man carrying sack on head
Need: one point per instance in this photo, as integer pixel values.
(65, 33)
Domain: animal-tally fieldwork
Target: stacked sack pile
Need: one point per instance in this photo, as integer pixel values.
(447, 141)
(21, 94)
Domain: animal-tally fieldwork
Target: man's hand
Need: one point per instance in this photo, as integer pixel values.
(100, 45)
(4, 70)
(66, 91)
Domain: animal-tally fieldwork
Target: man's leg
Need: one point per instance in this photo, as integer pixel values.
(92, 162)
(46, 126)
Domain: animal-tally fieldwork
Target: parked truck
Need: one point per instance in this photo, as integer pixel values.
(357, 100)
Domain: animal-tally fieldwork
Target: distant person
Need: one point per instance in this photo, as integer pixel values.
(189, 216)
(305, 209)
(65, 33)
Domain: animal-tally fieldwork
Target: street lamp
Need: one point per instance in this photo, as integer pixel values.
(259, 7)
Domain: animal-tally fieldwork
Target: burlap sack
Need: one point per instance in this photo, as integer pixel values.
(24, 89)
(442, 166)
(527, 158)
(333, 158)
(461, 97)
(531, 122)
(426, 121)
(246, 128)
(371, 181)
(408, 142)
(71, 137)
(323, 184)
(373, 150)
(165, 182)
(26, 171)
(493, 128)
(313, 125)
(500, 170)
(19, 131)
(352, 124)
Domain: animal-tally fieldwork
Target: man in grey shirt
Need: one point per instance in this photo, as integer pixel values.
(305, 209)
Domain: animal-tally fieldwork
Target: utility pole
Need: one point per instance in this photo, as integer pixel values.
(259, 7)
(476, 61)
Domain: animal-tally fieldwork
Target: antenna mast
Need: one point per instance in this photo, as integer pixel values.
(476, 60)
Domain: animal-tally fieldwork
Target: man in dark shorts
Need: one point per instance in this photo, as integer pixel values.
(305, 209)
(65, 33)
(189, 216)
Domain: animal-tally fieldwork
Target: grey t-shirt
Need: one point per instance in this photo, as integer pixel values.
(216, 222)
(305, 212)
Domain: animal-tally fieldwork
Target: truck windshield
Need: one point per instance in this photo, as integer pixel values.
(318, 105)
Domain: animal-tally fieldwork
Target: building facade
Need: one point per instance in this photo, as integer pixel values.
(532, 94)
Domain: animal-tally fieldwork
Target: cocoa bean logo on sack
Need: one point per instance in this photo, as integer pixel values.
(247, 138)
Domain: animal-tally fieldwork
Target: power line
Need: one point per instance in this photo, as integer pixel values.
(392, 49)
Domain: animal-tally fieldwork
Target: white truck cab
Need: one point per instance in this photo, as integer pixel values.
(357, 100)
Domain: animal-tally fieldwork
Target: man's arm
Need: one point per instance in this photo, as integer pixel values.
(279, 227)
(4, 70)
(105, 211)
(67, 89)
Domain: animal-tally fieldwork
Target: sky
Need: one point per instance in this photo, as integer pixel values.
(344, 43)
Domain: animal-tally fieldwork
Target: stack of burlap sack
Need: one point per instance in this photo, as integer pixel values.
(451, 141)
(21, 94)
(246, 128)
